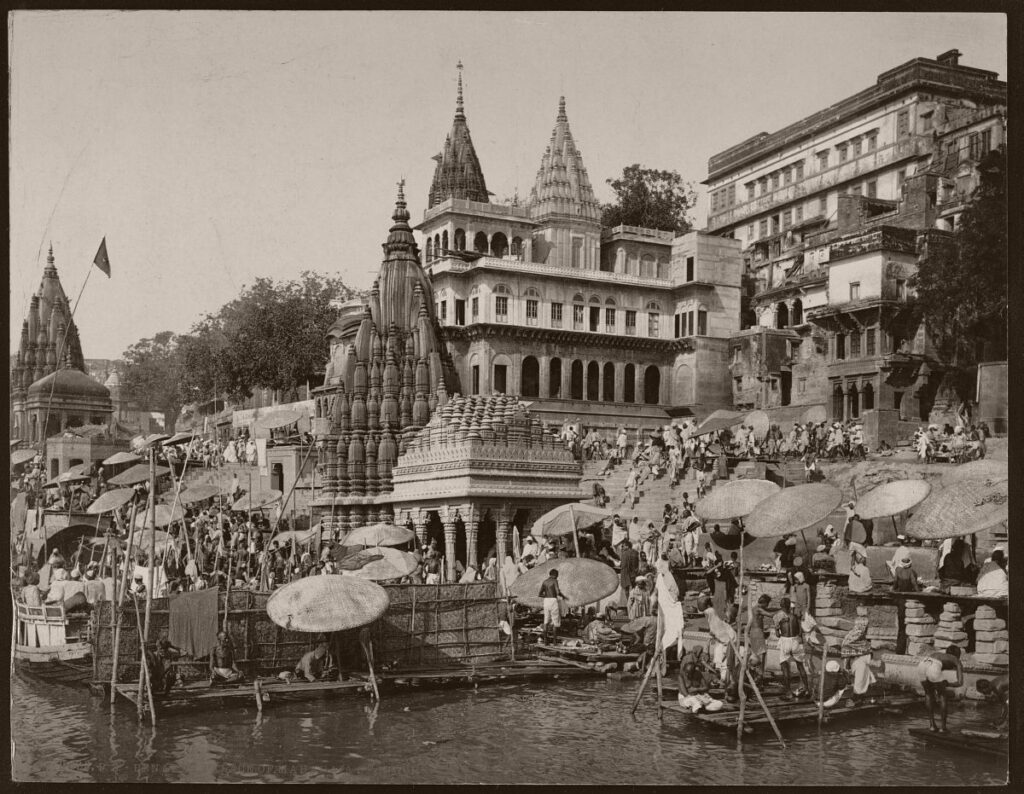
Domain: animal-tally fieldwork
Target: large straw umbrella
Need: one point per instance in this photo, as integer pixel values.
(961, 509)
(257, 501)
(389, 564)
(581, 580)
(892, 498)
(793, 510)
(984, 469)
(570, 518)
(327, 603)
(111, 500)
(120, 458)
(199, 492)
(383, 534)
(137, 474)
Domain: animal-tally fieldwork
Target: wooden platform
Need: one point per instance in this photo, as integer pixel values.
(788, 712)
(959, 599)
(966, 741)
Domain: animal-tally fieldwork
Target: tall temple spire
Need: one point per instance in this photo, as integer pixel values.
(562, 186)
(458, 173)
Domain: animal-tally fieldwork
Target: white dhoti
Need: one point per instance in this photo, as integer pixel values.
(672, 616)
(862, 675)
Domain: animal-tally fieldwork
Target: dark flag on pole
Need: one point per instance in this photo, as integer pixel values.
(101, 261)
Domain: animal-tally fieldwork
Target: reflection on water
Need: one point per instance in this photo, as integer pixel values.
(572, 732)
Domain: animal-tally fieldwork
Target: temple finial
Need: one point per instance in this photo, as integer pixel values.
(401, 189)
(561, 109)
(459, 112)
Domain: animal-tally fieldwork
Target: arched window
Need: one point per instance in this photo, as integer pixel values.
(555, 378)
(502, 289)
(576, 380)
(577, 298)
(748, 319)
(499, 245)
(430, 249)
(516, 248)
(480, 243)
(501, 303)
(593, 380)
(632, 264)
(531, 377)
(437, 244)
(460, 239)
(652, 385)
(702, 320)
(854, 399)
(609, 301)
(531, 292)
(444, 240)
(653, 306)
(867, 397)
(781, 315)
(797, 315)
(647, 267)
(629, 384)
(608, 383)
(662, 268)
(578, 312)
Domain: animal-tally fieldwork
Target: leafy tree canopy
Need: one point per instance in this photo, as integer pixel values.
(650, 198)
(962, 287)
(271, 336)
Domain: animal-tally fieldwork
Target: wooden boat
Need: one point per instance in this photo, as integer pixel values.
(51, 644)
(789, 712)
(986, 742)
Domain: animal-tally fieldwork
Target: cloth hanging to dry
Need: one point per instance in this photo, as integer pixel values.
(193, 622)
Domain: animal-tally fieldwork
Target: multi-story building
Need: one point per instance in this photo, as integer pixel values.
(538, 300)
(901, 154)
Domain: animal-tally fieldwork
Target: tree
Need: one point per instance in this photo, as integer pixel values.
(650, 198)
(962, 286)
(276, 335)
(151, 375)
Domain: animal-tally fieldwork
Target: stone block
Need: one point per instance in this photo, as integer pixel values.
(950, 616)
(956, 636)
(827, 612)
(911, 603)
(984, 613)
(925, 621)
(915, 648)
(920, 630)
(915, 613)
(992, 624)
(997, 646)
(883, 645)
(951, 606)
(993, 658)
(989, 636)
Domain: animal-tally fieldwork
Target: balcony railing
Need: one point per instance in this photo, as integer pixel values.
(453, 265)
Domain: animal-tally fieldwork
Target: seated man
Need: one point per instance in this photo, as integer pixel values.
(223, 669)
(992, 580)
(695, 673)
(161, 666)
(599, 633)
(314, 665)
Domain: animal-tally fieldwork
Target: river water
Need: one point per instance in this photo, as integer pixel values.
(576, 732)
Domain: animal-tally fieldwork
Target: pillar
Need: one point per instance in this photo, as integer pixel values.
(544, 376)
(501, 536)
(419, 523)
(638, 385)
(472, 531)
(620, 383)
(566, 392)
(449, 542)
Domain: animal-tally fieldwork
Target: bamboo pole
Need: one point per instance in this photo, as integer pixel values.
(277, 522)
(575, 532)
(821, 684)
(643, 684)
(746, 646)
(144, 673)
(764, 707)
(115, 618)
(152, 537)
(659, 653)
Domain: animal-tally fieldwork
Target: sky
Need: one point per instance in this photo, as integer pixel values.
(212, 148)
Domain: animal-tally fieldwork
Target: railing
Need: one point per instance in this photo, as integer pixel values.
(640, 231)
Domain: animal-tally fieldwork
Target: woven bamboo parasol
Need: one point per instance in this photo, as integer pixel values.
(164, 515)
(67, 478)
(793, 509)
(719, 420)
(301, 538)
(278, 419)
(111, 500)
(199, 492)
(582, 581)
(136, 474)
(327, 603)
(178, 438)
(734, 499)
(20, 456)
(730, 541)
(119, 458)
(893, 498)
(569, 518)
(961, 509)
(379, 535)
(256, 501)
(984, 469)
(392, 564)
(760, 422)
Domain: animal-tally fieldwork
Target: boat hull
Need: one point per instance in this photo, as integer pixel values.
(64, 664)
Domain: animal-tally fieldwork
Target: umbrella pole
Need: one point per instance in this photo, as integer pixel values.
(764, 706)
(575, 533)
(658, 655)
(115, 617)
(152, 538)
(746, 646)
(821, 684)
(643, 684)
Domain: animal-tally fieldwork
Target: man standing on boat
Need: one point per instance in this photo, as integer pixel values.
(791, 646)
(550, 592)
(936, 672)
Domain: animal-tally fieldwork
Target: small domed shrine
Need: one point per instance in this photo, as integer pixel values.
(50, 390)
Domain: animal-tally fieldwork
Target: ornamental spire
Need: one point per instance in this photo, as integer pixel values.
(459, 112)
(458, 173)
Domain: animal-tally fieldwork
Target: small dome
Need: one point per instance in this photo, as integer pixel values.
(113, 380)
(69, 383)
